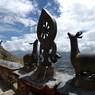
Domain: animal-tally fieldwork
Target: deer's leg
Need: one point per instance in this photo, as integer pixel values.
(77, 70)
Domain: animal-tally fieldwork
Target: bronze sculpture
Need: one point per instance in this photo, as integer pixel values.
(46, 32)
(81, 62)
(84, 64)
(32, 59)
(74, 51)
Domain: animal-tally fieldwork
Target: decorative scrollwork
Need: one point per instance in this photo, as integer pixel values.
(46, 32)
(47, 28)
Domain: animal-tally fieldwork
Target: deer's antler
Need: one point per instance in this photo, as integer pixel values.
(78, 34)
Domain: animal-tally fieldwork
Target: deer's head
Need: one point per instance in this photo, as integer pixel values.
(77, 35)
(74, 43)
(35, 42)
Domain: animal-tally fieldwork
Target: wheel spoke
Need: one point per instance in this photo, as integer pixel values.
(42, 35)
(43, 25)
(46, 35)
(48, 27)
(47, 32)
(46, 24)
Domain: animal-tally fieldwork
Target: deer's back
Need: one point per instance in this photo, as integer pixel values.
(87, 62)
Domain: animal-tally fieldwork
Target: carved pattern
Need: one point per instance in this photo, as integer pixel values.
(46, 32)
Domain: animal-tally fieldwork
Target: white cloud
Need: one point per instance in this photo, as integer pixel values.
(27, 22)
(12, 11)
(18, 7)
(20, 43)
(87, 43)
(76, 15)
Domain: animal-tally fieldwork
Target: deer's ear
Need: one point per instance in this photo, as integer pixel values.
(69, 34)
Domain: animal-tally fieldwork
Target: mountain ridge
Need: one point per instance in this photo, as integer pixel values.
(6, 55)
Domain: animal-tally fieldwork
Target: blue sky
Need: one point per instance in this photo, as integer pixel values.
(18, 21)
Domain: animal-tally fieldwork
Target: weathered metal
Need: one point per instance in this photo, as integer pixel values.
(81, 62)
(46, 28)
(31, 60)
(46, 32)
(84, 64)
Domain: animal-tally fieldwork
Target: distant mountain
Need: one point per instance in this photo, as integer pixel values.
(65, 56)
(63, 64)
(6, 55)
(21, 53)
